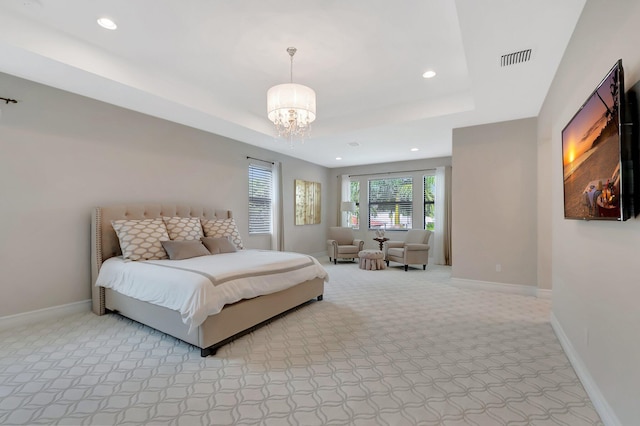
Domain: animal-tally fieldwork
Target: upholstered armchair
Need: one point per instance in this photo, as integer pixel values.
(341, 244)
(414, 250)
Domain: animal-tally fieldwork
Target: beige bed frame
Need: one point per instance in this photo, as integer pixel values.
(232, 322)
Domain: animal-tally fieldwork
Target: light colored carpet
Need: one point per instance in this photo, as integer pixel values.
(384, 348)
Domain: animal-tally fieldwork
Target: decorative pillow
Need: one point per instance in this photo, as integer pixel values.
(218, 245)
(223, 228)
(178, 250)
(140, 239)
(183, 228)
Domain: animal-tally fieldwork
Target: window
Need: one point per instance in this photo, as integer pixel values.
(354, 218)
(391, 203)
(429, 202)
(260, 199)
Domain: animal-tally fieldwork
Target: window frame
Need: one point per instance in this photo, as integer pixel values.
(400, 205)
(432, 203)
(354, 196)
(265, 224)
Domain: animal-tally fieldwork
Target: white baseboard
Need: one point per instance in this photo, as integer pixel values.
(543, 293)
(524, 290)
(45, 314)
(601, 405)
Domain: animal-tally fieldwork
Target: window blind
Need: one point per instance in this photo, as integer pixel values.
(391, 203)
(260, 199)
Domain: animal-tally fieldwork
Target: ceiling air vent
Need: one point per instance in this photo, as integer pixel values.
(515, 58)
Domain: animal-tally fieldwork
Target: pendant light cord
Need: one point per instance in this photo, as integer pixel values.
(292, 51)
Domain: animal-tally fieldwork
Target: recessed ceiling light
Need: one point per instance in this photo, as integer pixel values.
(338, 158)
(107, 23)
(415, 149)
(429, 74)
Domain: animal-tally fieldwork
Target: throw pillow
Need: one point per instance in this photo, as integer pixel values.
(223, 228)
(183, 228)
(218, 245)
(140, 239)
(178, 250)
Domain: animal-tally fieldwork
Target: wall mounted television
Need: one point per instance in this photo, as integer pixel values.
(596, 155)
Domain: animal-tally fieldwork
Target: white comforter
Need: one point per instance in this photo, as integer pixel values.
(201, 286)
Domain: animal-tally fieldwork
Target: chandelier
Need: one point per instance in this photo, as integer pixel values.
(291, 107)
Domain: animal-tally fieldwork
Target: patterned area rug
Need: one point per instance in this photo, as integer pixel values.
(383, 348)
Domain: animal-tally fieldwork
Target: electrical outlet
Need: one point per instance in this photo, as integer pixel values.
(498, 267)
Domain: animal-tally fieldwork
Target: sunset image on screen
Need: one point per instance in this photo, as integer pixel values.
(590, 155)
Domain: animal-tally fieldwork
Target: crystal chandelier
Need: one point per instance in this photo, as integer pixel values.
(291, 107)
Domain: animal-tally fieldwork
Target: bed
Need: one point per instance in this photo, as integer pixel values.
(233, 321)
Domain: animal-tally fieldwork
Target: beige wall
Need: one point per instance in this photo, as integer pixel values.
(596, 265)
(62, 154)
(494, 203)
(545, 161)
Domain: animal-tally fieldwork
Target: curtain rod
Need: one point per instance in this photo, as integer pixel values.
(389, 173)
(264, 161)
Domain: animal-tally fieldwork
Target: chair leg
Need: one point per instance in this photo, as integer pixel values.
(387, 262)
(406, 267)
(335, 260)
(424, 267)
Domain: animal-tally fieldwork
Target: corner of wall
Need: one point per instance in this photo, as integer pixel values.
(46, 314)
(543, 293)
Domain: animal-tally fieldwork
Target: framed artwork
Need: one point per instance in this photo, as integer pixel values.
(308, 203)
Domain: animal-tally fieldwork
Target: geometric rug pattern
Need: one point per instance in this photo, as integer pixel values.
(383, 348)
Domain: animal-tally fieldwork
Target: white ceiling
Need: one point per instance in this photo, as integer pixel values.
(209, 63)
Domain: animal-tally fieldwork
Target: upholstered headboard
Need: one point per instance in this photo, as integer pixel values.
(104, 241)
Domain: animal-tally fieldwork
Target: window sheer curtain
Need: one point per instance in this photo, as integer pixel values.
(345, 195)
(442, 234)
(277, 233)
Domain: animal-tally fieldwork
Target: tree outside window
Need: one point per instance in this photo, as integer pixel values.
(354, 219)
(391, 203)
(429, 202)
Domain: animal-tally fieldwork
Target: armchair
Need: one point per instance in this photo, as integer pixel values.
(413, 250)
(341, 244)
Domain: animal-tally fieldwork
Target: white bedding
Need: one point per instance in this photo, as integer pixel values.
(201, 286)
